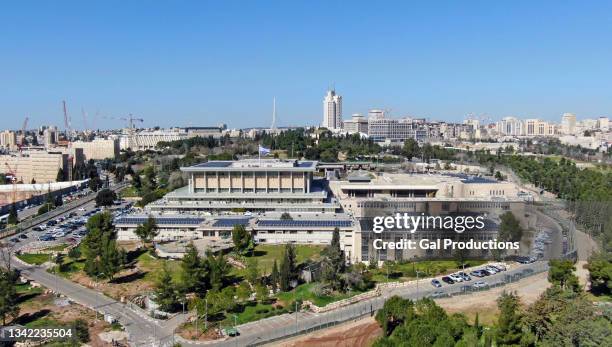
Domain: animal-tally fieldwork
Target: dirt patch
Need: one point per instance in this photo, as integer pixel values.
(360, 333)
(188, 331)
(117, 291)
(485, 304)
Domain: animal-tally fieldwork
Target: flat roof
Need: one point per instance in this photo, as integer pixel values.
(161, 220)
(253, 165)
(293, 223)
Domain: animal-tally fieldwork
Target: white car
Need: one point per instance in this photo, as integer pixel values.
(480, 284)
(456, 277)
(82, 209)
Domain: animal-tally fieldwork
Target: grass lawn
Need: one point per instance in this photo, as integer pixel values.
(57, 248)
(129, 192)
(252, 313)
(265, 255)
(32, 258)
(154, 266)
(304, 292)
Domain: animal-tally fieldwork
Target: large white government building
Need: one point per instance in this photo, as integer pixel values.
(256, 193)
(250, 185)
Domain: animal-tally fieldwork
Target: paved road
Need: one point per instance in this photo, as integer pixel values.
(279, 327)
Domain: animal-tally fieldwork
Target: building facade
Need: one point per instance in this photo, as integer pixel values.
(332, 110)
(357, 124)
(99, 149)
(251, 185)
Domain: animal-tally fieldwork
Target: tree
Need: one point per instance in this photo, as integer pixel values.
(288, 271)
(274, 277)
(60, 177)
(194, 274)
(600, 273)
(395, 311)
(165, 294)
(13, 217)
(510, 228)
(243, 240)
(252, 272)
(105, 197)
(102, 257)
(219, 269)
(561, 273)
(286, 216)
(411, 149)
(81, 330)
(9, 298)
(262, 293)
(499, 176)
(509, 330)
(334, 263)
(147, 231)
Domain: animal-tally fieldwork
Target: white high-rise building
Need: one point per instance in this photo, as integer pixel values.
(510, 126)
(332, 110)
(568, 123)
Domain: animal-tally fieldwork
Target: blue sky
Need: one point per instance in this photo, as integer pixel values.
(179, 63)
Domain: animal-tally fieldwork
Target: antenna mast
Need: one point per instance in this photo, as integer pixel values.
(273, 114)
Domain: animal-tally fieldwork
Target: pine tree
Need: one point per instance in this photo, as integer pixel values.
(102, 257)
(9, 298)
(165, 294)
(274, 277)
(147, 230)
(509, 330)
(13, 217)
(193, 274)
(288, 269)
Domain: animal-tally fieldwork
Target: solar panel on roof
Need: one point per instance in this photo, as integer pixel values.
(304, 223)
(215, 164)
(161, 220)
(230, 222)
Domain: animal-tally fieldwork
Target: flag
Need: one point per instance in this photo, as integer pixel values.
(264, 151)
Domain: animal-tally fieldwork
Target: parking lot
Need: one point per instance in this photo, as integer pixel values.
(69, 228)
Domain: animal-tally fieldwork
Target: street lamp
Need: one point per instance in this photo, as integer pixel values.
(417, 282)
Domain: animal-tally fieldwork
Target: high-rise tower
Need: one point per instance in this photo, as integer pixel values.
(332, 110)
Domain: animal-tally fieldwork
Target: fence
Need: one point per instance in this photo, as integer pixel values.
(34, 221)
(309, 322)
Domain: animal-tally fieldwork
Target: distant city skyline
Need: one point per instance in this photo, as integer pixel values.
(205, 63)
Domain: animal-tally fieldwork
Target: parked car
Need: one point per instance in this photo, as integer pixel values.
(464, 276)
(456, 277)
(436, 283)
(489, 271)
(480, 284)
(478, 273)
(448, 280)
(23, 236)
(437, 294)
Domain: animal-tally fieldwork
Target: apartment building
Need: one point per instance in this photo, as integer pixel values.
(40, 166)
(98, 149)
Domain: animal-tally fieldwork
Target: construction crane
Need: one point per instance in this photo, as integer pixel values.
(23, 131)
(13, 175)
(131, 121)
